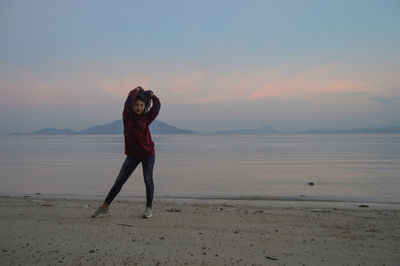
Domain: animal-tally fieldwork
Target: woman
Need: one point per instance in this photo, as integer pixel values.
(139, 147)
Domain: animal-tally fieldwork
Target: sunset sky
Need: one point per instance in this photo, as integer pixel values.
(215, 65)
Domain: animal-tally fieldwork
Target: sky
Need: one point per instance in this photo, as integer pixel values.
(215, 65)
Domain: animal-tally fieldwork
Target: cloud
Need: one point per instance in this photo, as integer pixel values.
(306, 86)
(29, 88)
(88, 84)
(385, 100)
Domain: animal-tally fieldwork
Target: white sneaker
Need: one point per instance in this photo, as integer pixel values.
(147, 213)
(101, 212)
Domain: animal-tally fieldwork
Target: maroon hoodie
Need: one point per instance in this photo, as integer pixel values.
(138, 142)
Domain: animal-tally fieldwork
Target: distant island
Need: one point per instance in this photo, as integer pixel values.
(116, 127)
(49, 131)
(262, 130)
(159, 127)
(386, 130)
(271, 130)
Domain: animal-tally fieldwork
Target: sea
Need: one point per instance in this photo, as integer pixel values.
(314, 167)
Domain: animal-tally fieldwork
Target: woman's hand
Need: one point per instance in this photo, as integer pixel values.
(137, 89)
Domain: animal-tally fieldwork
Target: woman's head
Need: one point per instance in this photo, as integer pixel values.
(142, 102)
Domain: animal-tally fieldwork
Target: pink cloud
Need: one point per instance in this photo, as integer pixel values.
(33, 88)
(303, 86)
(92, 85)
(249, 86)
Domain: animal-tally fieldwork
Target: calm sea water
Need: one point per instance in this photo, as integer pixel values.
(360, 167)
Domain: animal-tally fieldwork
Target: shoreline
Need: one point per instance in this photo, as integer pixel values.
(57, 231)
(317, 205)
(241, 200)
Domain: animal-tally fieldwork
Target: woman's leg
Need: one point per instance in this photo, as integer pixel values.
(127, 169)
(148, 165)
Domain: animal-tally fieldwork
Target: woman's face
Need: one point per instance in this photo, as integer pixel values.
(138, 108)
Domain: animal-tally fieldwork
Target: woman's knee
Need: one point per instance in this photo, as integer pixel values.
(148, 179)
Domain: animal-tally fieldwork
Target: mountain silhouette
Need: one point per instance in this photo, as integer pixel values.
(263, 130)
(115, 127)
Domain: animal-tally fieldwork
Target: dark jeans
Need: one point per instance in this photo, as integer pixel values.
(127, 169)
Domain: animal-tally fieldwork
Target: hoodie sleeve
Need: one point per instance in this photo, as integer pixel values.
(126, 114)
(154, 110)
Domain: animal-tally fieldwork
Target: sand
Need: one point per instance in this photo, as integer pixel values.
(51, 231)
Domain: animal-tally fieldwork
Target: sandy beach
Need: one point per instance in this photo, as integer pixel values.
(51, 231)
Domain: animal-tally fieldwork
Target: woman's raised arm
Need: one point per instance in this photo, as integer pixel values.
(128, 104)
(154, 110)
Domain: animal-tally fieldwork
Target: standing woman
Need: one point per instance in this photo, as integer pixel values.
(139, 147)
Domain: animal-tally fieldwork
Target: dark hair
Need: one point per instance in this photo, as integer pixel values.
(144, 96)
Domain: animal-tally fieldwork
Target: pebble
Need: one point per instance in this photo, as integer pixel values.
(320, 210)
(372, 230)
(271, 258)
(173, 210)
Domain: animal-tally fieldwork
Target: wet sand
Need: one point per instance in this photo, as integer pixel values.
(52, 231)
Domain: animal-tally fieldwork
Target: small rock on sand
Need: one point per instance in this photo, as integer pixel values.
(173, 210)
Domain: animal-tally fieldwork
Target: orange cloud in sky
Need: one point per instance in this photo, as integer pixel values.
(303, 86)
(230, 88)
(206, 87)
(31, 88)
(94, 86)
